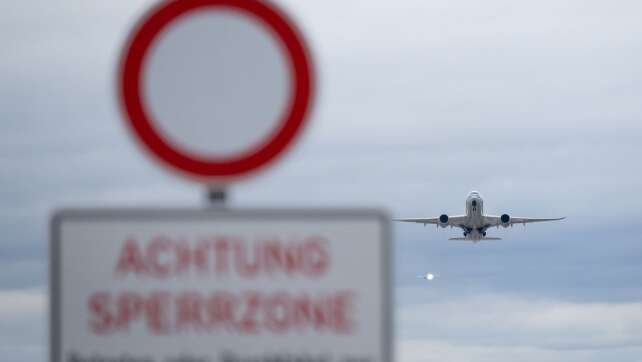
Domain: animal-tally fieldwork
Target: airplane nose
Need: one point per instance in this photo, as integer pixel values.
(474, 203)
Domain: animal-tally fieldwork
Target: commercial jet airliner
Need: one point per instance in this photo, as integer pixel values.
(475, 223)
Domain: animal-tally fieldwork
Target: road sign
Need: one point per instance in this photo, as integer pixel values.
(215, 89)
(207, 285)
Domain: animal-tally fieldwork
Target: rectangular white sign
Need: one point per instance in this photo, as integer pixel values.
(220, 286)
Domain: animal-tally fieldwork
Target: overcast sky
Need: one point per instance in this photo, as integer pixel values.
(537, 105)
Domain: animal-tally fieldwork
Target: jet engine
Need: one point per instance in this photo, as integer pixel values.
(443, 220)
(505, 220)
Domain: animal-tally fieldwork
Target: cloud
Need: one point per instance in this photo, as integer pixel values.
(17, 305)
(513, 321)
(23, 325)
(421, 350)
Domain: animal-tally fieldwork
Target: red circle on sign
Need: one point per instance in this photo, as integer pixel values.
(210, 168)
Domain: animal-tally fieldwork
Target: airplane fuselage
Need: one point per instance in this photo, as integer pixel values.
(475, 221)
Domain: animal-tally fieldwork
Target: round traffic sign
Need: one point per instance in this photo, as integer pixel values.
(215, 89)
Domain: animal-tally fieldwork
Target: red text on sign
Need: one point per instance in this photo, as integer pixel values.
(250, 312)
(165, 256)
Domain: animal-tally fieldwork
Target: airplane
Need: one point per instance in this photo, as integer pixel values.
(475, 223)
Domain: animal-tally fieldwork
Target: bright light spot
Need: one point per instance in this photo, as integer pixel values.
(430, 276)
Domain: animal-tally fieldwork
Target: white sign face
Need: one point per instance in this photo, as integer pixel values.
(216, 83)
(220, 286)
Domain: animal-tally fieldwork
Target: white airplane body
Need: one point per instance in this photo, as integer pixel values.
(475, 223)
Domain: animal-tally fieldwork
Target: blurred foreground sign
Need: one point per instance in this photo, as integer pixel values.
(208, 286)
(215, 89)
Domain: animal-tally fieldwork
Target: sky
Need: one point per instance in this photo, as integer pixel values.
(536, 105)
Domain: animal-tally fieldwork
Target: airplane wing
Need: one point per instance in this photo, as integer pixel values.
(452, 220)
(496, 220)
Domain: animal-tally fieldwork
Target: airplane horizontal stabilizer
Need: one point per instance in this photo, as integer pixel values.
(488, 238)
